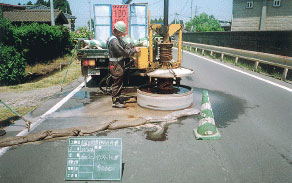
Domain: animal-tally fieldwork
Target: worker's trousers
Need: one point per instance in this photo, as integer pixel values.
(117, 72)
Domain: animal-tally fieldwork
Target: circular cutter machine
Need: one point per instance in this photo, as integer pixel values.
(163, 92)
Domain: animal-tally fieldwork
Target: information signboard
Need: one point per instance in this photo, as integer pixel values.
(94, 159)
(120, 13)
(102, 21)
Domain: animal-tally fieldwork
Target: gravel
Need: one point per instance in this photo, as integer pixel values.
(29, 98)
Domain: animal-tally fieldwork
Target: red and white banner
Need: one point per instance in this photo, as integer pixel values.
(120, 13)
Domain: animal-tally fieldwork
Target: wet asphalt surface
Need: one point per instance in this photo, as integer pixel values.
(254, 119)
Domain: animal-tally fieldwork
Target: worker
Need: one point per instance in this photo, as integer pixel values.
(118, 52)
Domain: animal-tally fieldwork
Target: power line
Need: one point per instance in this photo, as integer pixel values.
(156, 2)
(184, 7)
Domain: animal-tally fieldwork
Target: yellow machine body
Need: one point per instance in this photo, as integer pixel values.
(142, 58)
(145, 59)
(172, 29)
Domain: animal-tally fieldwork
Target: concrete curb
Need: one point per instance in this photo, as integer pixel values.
(207, 129)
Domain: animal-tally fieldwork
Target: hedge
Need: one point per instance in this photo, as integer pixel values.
(82, 32)
(41, 42)
(29, 44)
(6, 32)
(12, 65)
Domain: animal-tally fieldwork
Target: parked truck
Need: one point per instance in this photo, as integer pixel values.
(94, 54)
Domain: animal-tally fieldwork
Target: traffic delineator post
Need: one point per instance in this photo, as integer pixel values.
(207, 129)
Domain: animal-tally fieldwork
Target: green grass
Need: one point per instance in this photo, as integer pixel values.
(50, 79)
(50, 76)
(7, 117)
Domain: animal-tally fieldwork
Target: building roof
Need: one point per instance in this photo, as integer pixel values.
(12, 6)
(224, 23)
(43, 7)
(68, 16)
(38, 15)
(37, 7)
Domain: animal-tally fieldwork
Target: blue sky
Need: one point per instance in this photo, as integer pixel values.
(221, 9)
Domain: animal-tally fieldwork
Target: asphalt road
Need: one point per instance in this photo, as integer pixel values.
(253, 117)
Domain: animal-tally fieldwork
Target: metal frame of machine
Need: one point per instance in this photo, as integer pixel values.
(164, 91)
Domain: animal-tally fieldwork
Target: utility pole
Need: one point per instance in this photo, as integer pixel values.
(176, 18)
(191, 9)
(90, 16)
(165, 20)
(52, 12)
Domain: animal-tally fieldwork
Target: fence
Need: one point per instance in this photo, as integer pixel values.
(274, 42)
(258, 57)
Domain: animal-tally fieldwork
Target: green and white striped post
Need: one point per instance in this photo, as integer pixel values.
(207, 129)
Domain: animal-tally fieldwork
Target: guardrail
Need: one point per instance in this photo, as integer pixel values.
(258, 57)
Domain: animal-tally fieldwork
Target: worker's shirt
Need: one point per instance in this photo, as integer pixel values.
(118, 48)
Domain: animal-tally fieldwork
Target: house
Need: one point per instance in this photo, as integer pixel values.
(226, 25)
(71, 19)
(9, 7)
(17, 17)
(36, 7)
(36, 13)
(261, 15)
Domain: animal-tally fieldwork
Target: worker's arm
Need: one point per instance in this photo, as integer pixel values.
(118, 50)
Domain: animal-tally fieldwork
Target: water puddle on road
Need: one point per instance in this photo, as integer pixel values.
(226, 108)
(80, 99)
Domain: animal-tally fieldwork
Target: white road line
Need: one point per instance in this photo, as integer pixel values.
(248, 74)
(43, 117)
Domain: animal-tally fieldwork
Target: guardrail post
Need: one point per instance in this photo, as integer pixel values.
(203, 52)
(285, 72)
(190, 48)
(236, 60)
(211, 54)
(256, 64)
(222, 57)
(196, 50)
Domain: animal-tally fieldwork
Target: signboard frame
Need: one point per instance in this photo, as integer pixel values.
(96, 24)
(142, 24)
(87, 139)
(132, 27)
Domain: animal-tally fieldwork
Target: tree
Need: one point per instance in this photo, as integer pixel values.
(42, 2)
(58, 4)
(160, 21)
(203, 23)
(157, 21)
(29, 3)
(177, 22)
(92, 25)
(153, 21)
(62, 5)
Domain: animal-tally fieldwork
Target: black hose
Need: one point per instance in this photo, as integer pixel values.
(108, 77)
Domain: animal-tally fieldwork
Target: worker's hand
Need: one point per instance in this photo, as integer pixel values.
(138, 49)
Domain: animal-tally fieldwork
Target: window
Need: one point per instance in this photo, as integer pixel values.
(249, 4)
(277, 3)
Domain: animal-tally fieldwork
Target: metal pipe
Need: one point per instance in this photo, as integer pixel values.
(179, 47)
(165, 13)
(52, 12)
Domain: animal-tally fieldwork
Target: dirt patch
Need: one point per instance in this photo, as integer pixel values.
(23, 101)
